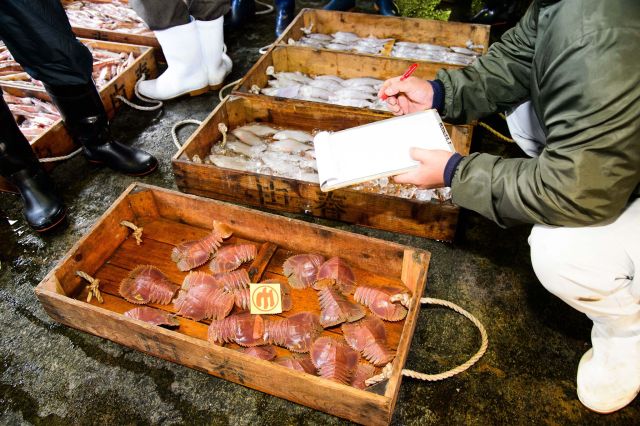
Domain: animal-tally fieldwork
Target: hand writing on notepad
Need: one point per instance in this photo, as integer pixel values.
(405, 96)
(430, 173)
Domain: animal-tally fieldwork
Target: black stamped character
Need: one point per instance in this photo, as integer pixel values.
(330, 205)
(269, 195)
(118, 90)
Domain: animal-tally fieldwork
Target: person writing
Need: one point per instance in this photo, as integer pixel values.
(569, 76)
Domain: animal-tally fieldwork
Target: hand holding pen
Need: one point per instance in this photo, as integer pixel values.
(405, 94)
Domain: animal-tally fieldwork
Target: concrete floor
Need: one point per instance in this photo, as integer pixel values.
(51, 374)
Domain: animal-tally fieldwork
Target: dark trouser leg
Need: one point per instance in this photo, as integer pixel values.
(208, 10)
(285, 10)
(39, 37)
(241, 12)
(161, 14)
(84, 115)
(43, 208)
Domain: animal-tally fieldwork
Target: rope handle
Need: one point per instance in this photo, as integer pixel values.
(93, 287)
(142, 98)
(137, 230)
(405, 300)
(174, 129)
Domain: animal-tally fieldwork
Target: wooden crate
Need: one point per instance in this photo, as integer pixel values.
(57, 141)
(108, 252)
(114, 35)
(431, 219)
(321, 62)
(415, 30)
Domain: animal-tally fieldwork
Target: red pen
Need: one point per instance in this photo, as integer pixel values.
(406, 75)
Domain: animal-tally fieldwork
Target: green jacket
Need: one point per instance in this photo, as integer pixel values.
(578, 61)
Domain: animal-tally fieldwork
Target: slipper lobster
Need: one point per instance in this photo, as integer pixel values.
(368, 337)
(191, 254)
(295, 333)
(147, 284)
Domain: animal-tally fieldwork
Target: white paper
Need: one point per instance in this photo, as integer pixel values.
(377, 149)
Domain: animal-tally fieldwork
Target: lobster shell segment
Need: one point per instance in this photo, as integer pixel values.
(229, 258)
(202, 297)
(378, 300)
(303, 364)
(244, 329)
(147, 284)
(295, 333)
(336, 271)
(302, 269)
(364, 371)
(336, 308)
(334, 359)
(153, 316)
(267, 353)
(234, 280)
(191, 254)
(370, 339)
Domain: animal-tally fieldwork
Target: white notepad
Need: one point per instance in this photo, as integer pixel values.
(377, 149)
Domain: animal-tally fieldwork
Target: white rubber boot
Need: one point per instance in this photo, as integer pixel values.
(186, 73)
(216, 61)
(609, 373)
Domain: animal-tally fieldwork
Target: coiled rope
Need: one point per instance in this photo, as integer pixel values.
(405, 300)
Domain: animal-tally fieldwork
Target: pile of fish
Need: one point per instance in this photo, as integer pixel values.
(107, 64)
(360, 92)
(33, 115)
(346, 342)
(434, 53)
(350, 42)
(344, 42)
(259, 148)
(265, 149)
(114, 15)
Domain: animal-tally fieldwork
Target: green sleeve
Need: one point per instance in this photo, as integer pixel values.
(590, 100)
(497, 80)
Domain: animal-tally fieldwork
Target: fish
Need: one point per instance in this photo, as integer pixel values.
(258, 129)
(247, 137)
(289, 145)
(298, 135)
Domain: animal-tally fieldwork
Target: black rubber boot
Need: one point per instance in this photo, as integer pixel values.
(84, 115)
(43, 208)
(495, 12)
(386, 7)
(342, 5)
(242, 11)
(285, 10)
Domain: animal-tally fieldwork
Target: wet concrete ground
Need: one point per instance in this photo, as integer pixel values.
(51, 374)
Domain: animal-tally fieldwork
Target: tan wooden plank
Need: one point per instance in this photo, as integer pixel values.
(340, 400)
(444, 33)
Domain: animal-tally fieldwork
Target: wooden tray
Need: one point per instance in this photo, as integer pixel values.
(108, 252)
(431, 219)
(320, 62)
(415, 30)
(56, 141)
(117, 36)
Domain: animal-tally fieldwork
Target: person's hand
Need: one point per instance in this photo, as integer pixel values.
(430, 173)
(406, 96)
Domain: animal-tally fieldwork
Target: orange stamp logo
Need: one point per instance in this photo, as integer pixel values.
(265, 298)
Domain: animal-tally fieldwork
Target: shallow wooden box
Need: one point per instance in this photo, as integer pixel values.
(56, 141)
(108, 252)
(114, 35)
(415, 30)
(431, 219)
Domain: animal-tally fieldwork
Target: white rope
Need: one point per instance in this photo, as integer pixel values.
(174, 129)
(233, 83)
(405, 300)
(142, 98)
(61, 158)
(268, 9)
(264, 49)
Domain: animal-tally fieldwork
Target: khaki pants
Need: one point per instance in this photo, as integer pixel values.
(163, 14)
